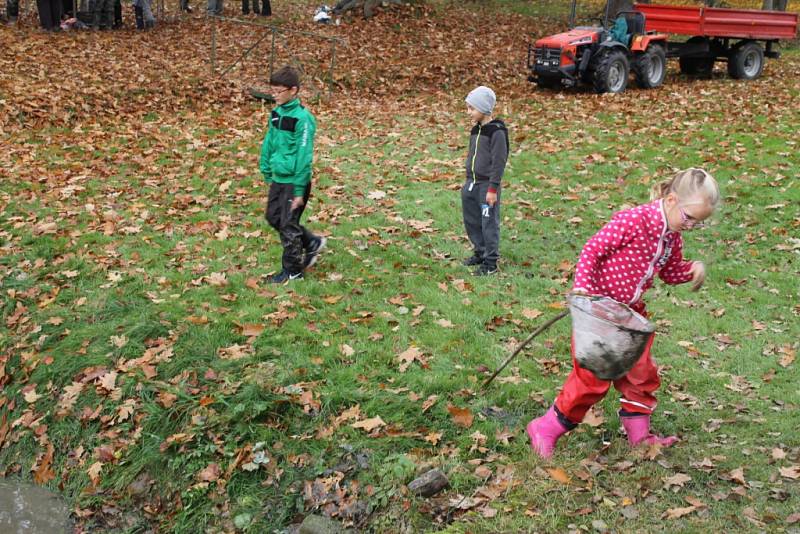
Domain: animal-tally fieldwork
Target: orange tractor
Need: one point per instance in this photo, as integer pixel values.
(604, 56)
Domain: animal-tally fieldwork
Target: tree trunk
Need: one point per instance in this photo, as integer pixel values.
(774, 5)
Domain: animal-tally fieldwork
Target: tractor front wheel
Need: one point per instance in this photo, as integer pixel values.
(610, 71)
(650, 67)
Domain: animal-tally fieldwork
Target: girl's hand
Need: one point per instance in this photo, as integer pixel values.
(491, 198)
(698, 272)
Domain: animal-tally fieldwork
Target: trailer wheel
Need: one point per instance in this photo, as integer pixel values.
(650, 67)
(746, 61)
(701, 66)
(610, 72)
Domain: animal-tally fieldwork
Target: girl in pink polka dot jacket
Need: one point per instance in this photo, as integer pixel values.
(620, 262)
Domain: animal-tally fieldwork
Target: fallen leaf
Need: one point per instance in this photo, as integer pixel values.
(42, 471)
(119, 341)
(778, 454)
(407, 357)
(45, 228)
(346, 350)
(483, 472)
(94, 472)
(675, 513)
(679, 479)
(792, 472)
(108, 380)
(217, 279)
(433, 438)
(787, 356)
(369, 424)
(594, 417)
(31, 396)
(504, 435)
(559, 475)
(252, 329)
(737, 475)
(166, 399)
(234, 352)
(461, 416)
(531, 314)
(429, 402)
(210, 473)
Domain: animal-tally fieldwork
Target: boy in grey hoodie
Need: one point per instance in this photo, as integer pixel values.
(480, 196)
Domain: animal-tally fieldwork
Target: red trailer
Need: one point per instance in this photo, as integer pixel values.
(732, 35)
(638, 41)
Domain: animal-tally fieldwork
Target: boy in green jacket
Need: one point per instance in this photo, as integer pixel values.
(286, 156)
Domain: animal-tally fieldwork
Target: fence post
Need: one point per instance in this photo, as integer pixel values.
(213, 44)
(272, 53)
(333, 66)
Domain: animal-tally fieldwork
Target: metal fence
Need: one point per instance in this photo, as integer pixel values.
(249, 52)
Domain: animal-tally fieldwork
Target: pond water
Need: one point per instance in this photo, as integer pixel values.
(29, 509)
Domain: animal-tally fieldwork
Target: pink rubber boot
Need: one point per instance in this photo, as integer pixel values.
(637, 427)
(544, 432)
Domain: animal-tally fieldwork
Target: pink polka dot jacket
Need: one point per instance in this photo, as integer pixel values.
(621, 260)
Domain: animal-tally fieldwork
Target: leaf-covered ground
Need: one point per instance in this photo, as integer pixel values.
(151, 375)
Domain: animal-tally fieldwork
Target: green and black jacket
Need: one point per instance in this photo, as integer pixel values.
(288, 148)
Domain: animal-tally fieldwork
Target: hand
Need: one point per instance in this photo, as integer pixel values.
(491, 198)
(297, 202)
(698, 272)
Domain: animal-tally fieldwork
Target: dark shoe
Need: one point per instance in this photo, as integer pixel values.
(472, 260)
(485, 269)
(285, 276)
(312, 254)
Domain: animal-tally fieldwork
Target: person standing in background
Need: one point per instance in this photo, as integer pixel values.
(266, 8)
(215, 7)
(12, 11)
(50, 12)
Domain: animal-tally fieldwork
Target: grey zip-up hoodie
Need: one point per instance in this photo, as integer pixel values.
(488, 152)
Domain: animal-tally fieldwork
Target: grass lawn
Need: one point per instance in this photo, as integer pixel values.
(151, 375)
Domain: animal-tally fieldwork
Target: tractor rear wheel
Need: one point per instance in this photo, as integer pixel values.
(610, 71)
(701, 66)
(746, 61)
(650, 67)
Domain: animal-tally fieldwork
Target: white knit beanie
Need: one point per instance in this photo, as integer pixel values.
(483, 99)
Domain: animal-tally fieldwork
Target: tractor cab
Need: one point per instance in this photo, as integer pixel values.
(601, 56)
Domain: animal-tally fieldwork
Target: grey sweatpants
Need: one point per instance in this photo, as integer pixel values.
(481, 221)
(215, 7)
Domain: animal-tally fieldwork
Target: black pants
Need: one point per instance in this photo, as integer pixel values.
(295, 239)
(50, 12)
(117, 14)
(12, 9)
(481, 221)
(266, 8)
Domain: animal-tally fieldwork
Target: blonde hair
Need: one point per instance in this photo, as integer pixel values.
(689, 183)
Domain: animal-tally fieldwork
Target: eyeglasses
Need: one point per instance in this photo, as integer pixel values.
(689, 222)
(274, 93)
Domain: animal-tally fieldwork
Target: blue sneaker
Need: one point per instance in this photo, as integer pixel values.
(312, 254)
(285, 276)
